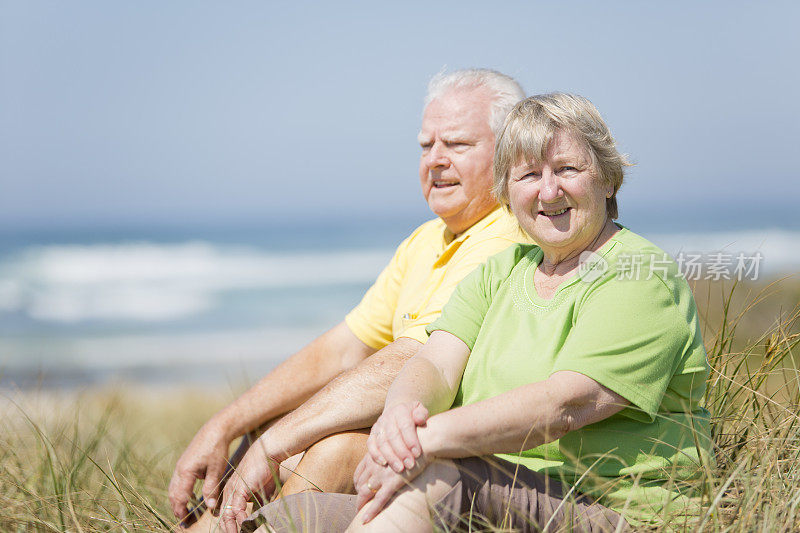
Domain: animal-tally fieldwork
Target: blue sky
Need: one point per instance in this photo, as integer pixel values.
(177, 112)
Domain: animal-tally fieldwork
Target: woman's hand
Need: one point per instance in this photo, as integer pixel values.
(376, 484)
(393, 440)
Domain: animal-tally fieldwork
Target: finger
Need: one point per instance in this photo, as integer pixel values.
(363, 473)
(419, 414)
(211, 485)
(180, 491)
(403, 434)
(411, 446)
(364, 494)
(228, 521)
(360, 468)
(371, 511)
(404, 430)
(233, 508)
(362, 499)
(374, 451)
(378, 502)
(387, 450)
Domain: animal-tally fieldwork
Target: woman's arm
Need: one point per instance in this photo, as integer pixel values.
(427, 384)
(517, 420)
(520, 419)
(431, 377)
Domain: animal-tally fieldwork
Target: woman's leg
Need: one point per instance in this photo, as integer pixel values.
(409, 509)
(472, 493)
(509, 496)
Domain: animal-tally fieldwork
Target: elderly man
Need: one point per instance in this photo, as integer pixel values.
(349, 368)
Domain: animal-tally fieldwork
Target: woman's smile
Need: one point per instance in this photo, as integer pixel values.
(554, 214)
(561, 201)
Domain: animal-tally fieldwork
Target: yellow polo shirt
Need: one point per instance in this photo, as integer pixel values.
(410, 292)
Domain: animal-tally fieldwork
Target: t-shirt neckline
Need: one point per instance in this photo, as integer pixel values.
(530, 289)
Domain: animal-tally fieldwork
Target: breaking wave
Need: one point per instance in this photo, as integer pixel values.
(156, 282)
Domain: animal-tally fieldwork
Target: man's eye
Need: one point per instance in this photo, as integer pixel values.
(567, 168)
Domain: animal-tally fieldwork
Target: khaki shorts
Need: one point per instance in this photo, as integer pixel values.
(495, 492)
(490, 491)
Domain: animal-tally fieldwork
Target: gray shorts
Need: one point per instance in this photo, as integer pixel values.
(490, 492)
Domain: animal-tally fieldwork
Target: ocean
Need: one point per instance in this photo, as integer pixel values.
(222, 304)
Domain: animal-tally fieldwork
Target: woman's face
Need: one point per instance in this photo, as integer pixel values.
(560, 202)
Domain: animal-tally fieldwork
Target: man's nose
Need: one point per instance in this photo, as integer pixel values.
(437, 157)
(550, 188)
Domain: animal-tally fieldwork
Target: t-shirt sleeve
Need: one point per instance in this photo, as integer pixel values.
(371, 320)
(463, 314)
(629, 337)
(458, 269)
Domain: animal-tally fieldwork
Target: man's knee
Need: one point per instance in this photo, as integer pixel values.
(347, 444)
(329, 464)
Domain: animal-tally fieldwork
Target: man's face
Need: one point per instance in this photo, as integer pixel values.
(455, 168)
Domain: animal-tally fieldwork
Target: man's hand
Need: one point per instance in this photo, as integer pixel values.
(256, 474)
(279, 392)
(205, 458)
(393, 440)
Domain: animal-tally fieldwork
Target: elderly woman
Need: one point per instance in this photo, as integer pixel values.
(561, 386)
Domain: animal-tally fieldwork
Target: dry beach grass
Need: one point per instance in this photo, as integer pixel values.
(100, 460)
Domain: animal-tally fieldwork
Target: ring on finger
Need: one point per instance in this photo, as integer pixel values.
(371, 488)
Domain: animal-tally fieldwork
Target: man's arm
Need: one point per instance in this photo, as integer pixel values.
(353, 400)
(280, 391)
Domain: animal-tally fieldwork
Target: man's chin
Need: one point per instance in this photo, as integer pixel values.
(442, 210)
(445, 203)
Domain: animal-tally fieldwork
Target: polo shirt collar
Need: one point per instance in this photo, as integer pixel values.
(450, 244)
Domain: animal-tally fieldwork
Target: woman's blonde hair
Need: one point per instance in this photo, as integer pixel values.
(533, 123)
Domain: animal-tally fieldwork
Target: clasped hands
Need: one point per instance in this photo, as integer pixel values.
(394, 457)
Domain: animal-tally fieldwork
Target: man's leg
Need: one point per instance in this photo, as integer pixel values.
(328, 465)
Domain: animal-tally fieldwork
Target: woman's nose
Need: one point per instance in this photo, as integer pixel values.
(550, 188)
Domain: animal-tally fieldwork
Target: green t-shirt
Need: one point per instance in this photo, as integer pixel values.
(629, 322)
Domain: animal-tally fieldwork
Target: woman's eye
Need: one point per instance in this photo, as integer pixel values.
(567, 168)
(529, 175)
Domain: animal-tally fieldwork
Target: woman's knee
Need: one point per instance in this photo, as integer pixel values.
(409, 509)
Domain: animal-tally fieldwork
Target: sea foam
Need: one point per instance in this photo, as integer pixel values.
(780, 249)
(155, 282)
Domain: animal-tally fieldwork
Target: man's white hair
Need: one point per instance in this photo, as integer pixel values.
(505, 90)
